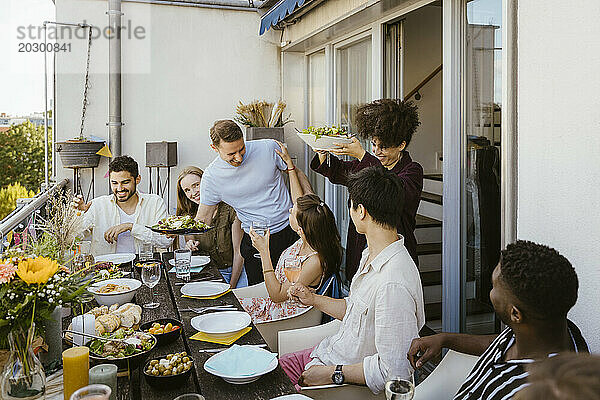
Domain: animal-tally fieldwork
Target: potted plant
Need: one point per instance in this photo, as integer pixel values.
(81, 152)
(262, 119)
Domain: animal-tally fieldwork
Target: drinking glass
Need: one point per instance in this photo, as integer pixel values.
(183, 258)
(291, 269)
(260, 226)
(151, 277)
(92, 392)
(398, 388)
(146, 252)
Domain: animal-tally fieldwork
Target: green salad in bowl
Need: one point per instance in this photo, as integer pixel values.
(179, 225)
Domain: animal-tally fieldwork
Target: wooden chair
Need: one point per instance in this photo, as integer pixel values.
(300, 339)
(446, 379)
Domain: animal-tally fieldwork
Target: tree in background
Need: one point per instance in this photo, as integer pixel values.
(22, 156)
(9, 196)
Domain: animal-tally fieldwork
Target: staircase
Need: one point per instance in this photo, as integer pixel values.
(428, 232)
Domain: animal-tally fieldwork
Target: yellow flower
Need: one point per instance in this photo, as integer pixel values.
(37, 270)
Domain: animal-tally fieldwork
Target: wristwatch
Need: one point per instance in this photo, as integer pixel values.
(338, 375)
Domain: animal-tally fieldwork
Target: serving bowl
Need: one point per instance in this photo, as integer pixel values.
(108, 299)
(323, 142)
(164, 338)
(169, 381)
(128, 362)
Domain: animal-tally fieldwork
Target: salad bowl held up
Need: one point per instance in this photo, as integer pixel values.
(324, 138)
(179, 225)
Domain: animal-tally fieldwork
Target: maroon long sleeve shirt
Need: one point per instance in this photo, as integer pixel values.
(411, 174)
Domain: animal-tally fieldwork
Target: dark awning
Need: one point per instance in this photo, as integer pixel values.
(278, 12)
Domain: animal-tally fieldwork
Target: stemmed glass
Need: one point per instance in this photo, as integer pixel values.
(398, 388)
(151, 277)
(260, 226)
(292, 269)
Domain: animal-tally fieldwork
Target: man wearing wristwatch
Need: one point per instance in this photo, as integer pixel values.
(338, 375)
(384, 310)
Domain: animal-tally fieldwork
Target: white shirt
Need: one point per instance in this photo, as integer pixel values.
(255, 189)
(104, 214)
(125, 240)
(384, 313)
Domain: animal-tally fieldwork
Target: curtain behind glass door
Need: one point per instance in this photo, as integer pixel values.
(483, 52)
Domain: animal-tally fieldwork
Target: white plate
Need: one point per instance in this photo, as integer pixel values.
(204, 289)
(295, 396)
(221, 323)
(236, 380)
(197, 261)
(116, 258)
(322, 143)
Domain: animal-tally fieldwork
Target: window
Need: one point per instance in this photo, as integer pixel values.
(317, 109)
(353, 88)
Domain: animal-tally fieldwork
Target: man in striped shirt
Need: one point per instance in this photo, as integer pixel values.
(534, 287)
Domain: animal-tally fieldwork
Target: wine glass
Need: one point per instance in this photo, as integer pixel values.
(151, 277)
(260, 226)
(292, 269)
(399, 388)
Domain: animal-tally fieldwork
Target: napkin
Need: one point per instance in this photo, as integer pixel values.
(206, 298)
(192, 269)
(226, 340)
(239, 361)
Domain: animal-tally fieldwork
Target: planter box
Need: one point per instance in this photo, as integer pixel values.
(253, 133)
(76, 154)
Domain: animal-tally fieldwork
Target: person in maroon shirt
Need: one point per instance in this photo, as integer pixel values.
(390, 125)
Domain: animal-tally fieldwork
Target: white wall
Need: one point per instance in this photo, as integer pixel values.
(422, 55)
(192, 68)
(559, 141)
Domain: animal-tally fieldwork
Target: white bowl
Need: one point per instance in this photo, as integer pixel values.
(108, 299)
(116, 258)
(322, 143)
(237, 380)
(221, 324)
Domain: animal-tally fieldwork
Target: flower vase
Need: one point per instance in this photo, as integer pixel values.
(23, 377)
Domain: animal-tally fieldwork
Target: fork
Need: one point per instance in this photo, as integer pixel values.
(200, 310)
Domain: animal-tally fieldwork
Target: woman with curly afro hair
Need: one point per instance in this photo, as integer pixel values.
(389, 125)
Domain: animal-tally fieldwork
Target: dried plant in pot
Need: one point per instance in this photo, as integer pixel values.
(263, 120)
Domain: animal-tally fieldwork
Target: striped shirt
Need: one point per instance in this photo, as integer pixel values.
(492, 378)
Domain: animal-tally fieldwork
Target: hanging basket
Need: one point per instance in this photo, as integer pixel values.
(78, 154)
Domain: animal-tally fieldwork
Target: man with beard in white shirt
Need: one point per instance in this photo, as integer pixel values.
(118, 222)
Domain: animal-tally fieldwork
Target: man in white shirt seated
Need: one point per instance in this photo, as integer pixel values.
(117, 222)
(384, 310)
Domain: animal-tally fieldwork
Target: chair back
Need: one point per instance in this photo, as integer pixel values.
(332, 289)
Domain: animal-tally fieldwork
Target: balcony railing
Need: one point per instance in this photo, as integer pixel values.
(18, 218)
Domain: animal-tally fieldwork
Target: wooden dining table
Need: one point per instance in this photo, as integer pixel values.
(172, 305)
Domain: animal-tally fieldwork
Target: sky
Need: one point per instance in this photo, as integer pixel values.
(22, 73)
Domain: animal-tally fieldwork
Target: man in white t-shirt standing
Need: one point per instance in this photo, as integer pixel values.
(247, 176)
(117, 222)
